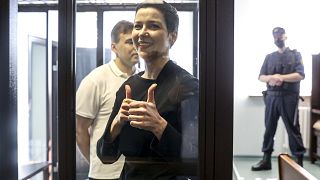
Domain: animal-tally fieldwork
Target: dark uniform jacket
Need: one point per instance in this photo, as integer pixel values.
(289, 61)
(176, 98)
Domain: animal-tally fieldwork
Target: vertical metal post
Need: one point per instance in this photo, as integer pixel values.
(195, 42)
(8, 90)
(100, 48)
(66, 90)
(216, 96)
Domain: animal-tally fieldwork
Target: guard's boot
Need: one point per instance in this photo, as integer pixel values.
(299, 160)
(264, 164)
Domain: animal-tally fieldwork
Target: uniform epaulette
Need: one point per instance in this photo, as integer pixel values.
(296, 55)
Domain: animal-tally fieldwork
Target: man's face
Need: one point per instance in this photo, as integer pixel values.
(280, 37)
(279, 41)
(125, 51)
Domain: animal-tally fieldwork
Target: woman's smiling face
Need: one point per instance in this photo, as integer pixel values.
(150, 35)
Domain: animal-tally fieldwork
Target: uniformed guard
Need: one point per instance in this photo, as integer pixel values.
(282, 71)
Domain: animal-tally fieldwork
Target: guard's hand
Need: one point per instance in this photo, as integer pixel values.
(275, 80)
(279, 80)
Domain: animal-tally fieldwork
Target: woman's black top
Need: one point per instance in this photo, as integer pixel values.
(175, 155)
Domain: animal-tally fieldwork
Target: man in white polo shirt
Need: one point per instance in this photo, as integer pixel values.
(95, 98)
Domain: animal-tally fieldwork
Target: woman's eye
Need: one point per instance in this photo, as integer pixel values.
(154, 26)
(137, 26)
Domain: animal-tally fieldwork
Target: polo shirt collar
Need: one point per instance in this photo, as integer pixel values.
(114, 68)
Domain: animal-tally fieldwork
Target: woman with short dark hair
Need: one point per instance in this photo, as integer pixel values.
(154, 122)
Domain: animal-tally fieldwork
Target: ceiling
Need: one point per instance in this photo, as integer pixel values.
(100, 1)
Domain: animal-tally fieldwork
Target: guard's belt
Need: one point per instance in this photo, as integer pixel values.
(280, 93)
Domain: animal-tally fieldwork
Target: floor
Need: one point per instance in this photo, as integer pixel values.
(242, 169)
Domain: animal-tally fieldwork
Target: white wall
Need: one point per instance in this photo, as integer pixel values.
(254, 21)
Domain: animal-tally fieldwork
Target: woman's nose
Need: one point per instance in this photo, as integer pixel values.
(143, 31)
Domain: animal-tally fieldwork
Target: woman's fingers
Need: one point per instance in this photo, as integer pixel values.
(137, 124)
(128, 91)
(140, 114)
(144, 104)
(124, 112)
(136, 118)
(137, 111)
(124, 109)
(151, 90)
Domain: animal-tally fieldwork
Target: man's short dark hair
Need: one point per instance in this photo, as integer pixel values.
(122, 27)
(169, 12)
(277, 32)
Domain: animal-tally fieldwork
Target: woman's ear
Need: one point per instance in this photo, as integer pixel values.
(172, 38)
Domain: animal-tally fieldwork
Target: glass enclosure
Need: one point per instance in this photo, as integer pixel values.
(38, 68)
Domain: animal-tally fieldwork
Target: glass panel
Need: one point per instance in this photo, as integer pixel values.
(183, 55)
(32, 88)
(86, 57)
(253, 41)
(86, 44)
(37, 102)
(110, 18)
(53, 89)
(25, 31)
(96, 95)
(181, 52)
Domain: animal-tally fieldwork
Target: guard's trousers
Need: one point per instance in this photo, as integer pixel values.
(284, 106)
